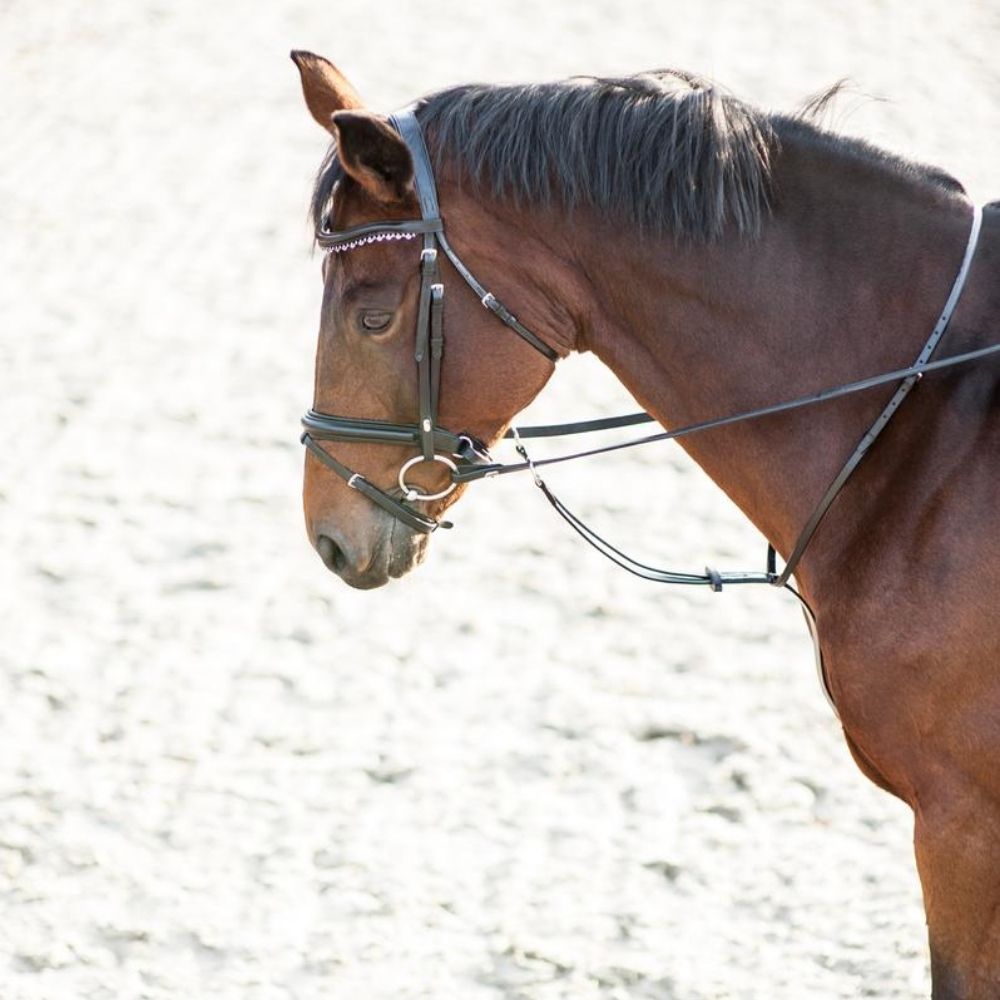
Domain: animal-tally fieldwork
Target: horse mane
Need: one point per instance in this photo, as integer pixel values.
(666, 151)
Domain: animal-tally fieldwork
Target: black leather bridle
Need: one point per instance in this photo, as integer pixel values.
(460, 453)
(467, 459)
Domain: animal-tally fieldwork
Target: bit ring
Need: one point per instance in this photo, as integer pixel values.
(412, 492)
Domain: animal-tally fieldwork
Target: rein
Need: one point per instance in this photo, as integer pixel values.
(467, 459)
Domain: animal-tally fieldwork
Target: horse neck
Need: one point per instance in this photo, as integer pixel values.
(846, 281)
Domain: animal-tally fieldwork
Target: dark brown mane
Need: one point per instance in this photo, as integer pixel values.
(666, 152)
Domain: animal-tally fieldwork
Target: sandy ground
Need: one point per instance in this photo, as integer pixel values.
(516, 774)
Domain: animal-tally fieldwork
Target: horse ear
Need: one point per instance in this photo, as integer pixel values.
(374, 154)
(326, 89)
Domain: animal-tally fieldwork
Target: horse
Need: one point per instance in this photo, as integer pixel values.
(717, 259)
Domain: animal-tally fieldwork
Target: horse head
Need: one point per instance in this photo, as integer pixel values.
(376, 301)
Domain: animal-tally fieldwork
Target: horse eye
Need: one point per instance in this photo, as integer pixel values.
(374, 320)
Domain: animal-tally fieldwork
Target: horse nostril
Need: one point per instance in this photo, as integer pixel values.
(331, 553)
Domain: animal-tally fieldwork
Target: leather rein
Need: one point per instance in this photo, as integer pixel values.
(467, 458)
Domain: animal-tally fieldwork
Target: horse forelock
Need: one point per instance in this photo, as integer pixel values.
(330, 173)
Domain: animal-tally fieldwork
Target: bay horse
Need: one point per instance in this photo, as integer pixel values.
(716, 259)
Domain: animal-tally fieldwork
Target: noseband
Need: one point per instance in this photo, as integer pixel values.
(459, 453)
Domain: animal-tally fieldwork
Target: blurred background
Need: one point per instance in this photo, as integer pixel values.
(517, 773)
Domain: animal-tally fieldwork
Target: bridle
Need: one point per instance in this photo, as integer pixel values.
(459, 453)
(467, 459)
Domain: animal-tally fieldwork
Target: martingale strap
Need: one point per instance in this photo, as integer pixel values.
(907, 377)
(881, 422)
(488, 470)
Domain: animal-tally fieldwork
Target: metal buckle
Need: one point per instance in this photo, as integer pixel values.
(412, 493)
(523, 452)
